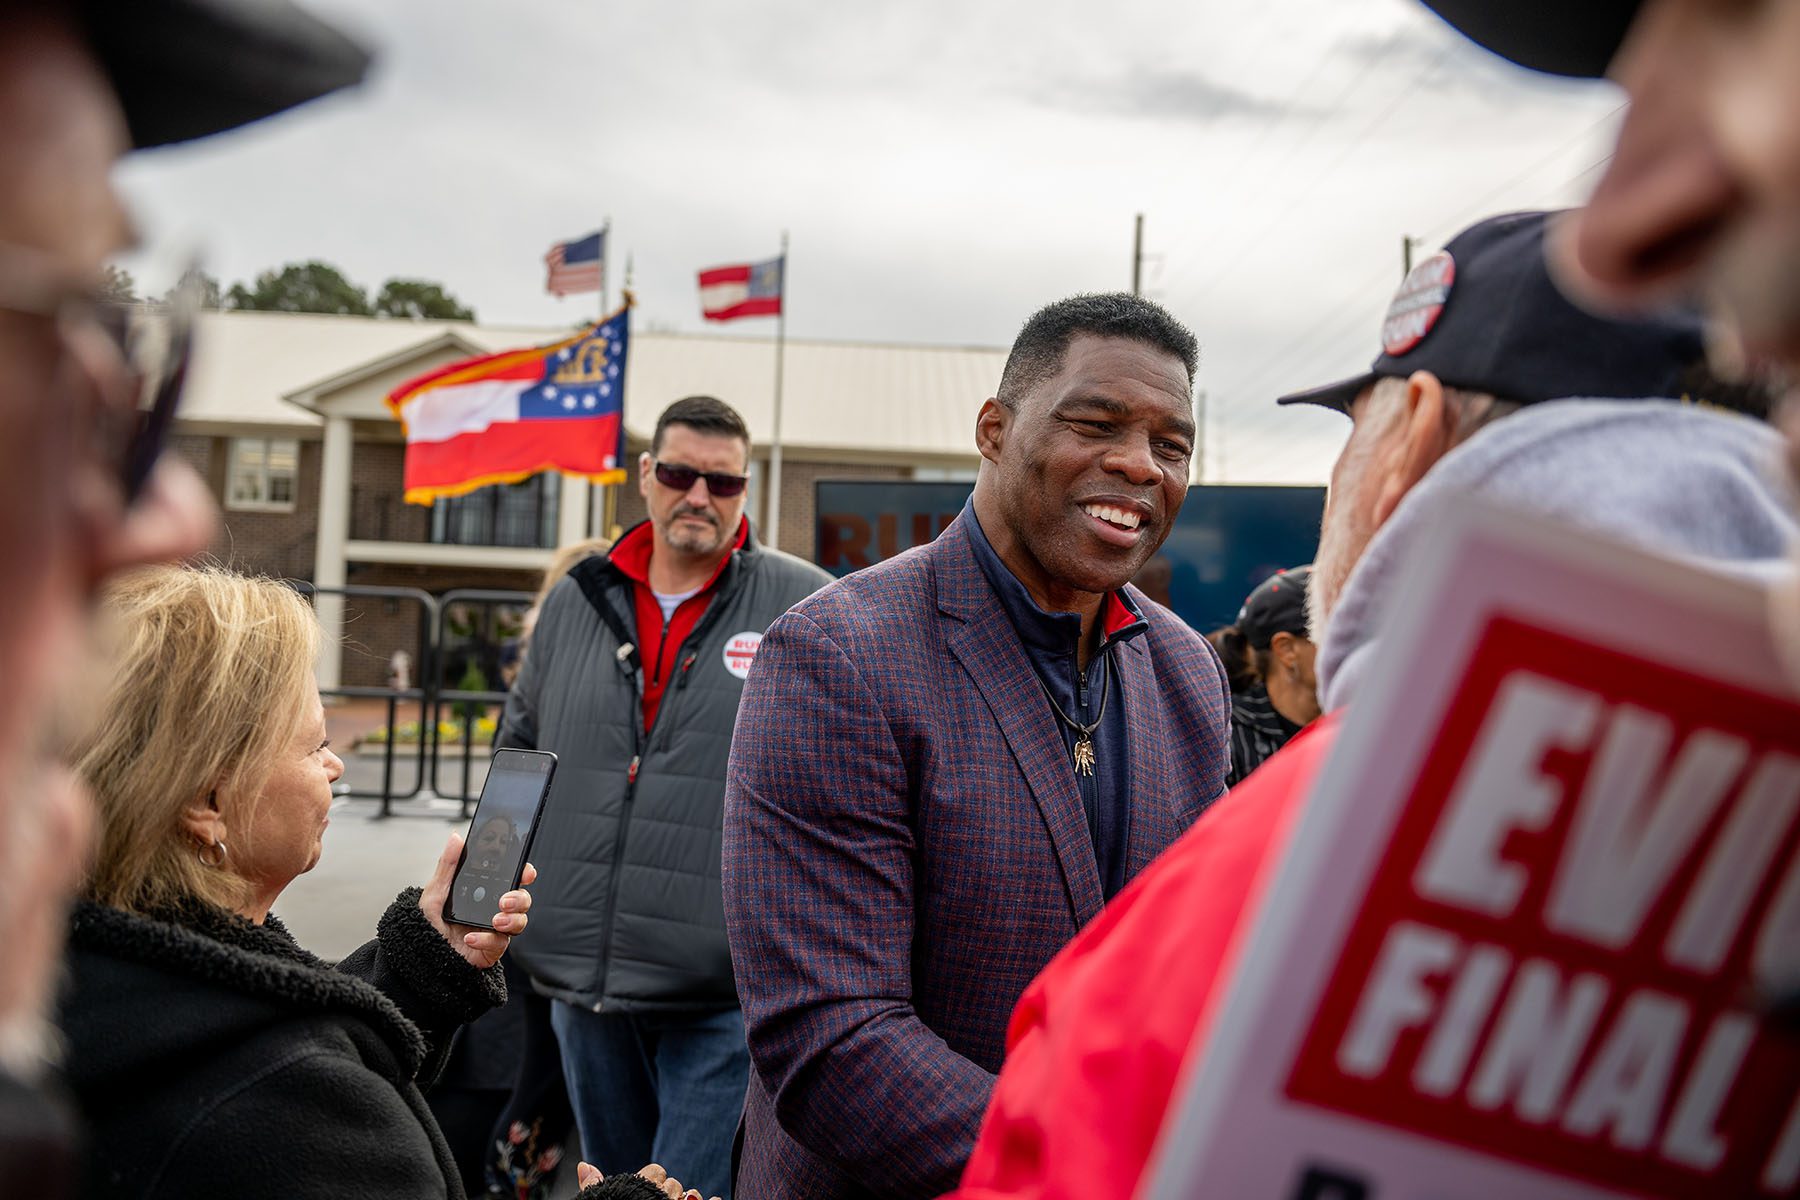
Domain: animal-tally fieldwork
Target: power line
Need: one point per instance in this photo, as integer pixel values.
(1287, 111)
(1337, 321)
(1252, 243)
(1481, 207)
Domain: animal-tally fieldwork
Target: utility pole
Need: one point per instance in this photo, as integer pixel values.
(1137, 258)
(772, 502)
(1407, 244)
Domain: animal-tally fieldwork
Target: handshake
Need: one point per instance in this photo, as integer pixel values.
(651, 1183)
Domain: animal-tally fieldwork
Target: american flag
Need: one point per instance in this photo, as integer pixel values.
(575, 265)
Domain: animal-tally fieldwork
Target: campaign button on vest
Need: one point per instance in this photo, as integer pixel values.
(740, 652)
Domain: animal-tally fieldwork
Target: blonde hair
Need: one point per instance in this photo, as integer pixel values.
(212, 671)
(560, 565)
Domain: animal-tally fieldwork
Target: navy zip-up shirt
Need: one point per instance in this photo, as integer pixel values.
(1052, 643)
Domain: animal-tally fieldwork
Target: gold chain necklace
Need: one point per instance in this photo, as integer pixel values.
(1083, 753)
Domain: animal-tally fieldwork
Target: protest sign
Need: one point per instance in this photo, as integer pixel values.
(1519, 942)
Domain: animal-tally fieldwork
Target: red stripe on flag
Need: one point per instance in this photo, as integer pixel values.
(508, 364)
(717, 275)
(762, 306)
(564, 280)
(508, 452)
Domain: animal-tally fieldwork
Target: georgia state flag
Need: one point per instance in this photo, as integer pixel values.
(743, 290)
(505, 417)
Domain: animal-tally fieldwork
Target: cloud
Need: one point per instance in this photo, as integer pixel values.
(1160, 94)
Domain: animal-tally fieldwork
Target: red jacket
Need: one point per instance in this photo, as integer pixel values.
(1095, 1048)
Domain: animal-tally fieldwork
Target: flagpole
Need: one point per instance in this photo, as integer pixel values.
(601, 501)
(609, 507)
(773, 505)
(605, 237)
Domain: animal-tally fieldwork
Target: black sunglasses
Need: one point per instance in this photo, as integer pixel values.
(162, 387)
(154, 352)
(682, 478)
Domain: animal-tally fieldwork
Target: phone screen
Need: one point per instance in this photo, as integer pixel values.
(500, 834)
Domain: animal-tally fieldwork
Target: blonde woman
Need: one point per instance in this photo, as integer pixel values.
(210, 1054)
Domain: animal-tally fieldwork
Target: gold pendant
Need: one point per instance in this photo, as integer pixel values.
(1084, 754)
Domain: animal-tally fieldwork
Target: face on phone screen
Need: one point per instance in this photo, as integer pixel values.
(495, 850)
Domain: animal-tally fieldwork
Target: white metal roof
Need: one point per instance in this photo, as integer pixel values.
(256, 368)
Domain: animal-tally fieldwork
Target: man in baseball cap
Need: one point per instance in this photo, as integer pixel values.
(1702, 194)
(82, 492)
(1604, 429)
(1487, 383)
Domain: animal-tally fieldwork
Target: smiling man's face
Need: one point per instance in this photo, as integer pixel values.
(1087, 472)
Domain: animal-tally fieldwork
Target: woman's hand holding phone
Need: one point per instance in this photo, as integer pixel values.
(481, 947)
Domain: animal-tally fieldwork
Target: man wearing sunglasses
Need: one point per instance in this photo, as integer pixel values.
(633, 679)
(82, 488)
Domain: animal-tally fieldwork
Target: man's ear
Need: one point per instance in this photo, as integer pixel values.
(991, 424)
(646, 465)
(1425, 435)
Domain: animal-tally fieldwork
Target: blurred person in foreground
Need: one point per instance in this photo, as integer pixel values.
(948, 763)
(209, 1052)
(1282, 696)
(79, 86)
(1466, 398)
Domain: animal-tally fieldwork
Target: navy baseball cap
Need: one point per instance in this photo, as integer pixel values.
(1278, 605)
(1483, 314)
(185, 69)
(1560, 37)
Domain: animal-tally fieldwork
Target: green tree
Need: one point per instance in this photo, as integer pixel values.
(419, 299)
(119, 286)
(309, 287)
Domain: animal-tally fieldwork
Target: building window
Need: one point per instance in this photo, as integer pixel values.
(945, 474)
(502, 514)
(264, 474)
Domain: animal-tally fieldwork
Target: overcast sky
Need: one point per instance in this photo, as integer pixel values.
(944, 167)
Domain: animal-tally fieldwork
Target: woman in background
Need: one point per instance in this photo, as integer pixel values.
(1273, 659)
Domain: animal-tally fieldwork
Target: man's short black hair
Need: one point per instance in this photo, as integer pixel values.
(1037, 352)
(703, 414)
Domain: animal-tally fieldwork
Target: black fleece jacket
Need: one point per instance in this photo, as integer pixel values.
(214, 1057)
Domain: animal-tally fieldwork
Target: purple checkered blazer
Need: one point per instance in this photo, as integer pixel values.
(905, 848)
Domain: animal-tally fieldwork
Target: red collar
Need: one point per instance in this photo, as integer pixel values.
(1117, 615)
(631, 553)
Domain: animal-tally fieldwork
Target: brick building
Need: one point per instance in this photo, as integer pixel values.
(285, 417)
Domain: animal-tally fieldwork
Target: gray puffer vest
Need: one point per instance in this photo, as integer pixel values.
(628, 913)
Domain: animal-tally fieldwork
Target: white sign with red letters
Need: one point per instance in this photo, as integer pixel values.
(1517, 942)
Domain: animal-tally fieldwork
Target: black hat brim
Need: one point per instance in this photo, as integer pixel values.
(1336, 396)
(1577, 38)
(184, 69)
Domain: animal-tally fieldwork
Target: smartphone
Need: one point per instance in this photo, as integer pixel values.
(506, 819)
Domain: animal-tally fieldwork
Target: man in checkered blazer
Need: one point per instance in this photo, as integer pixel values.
(944, 765)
